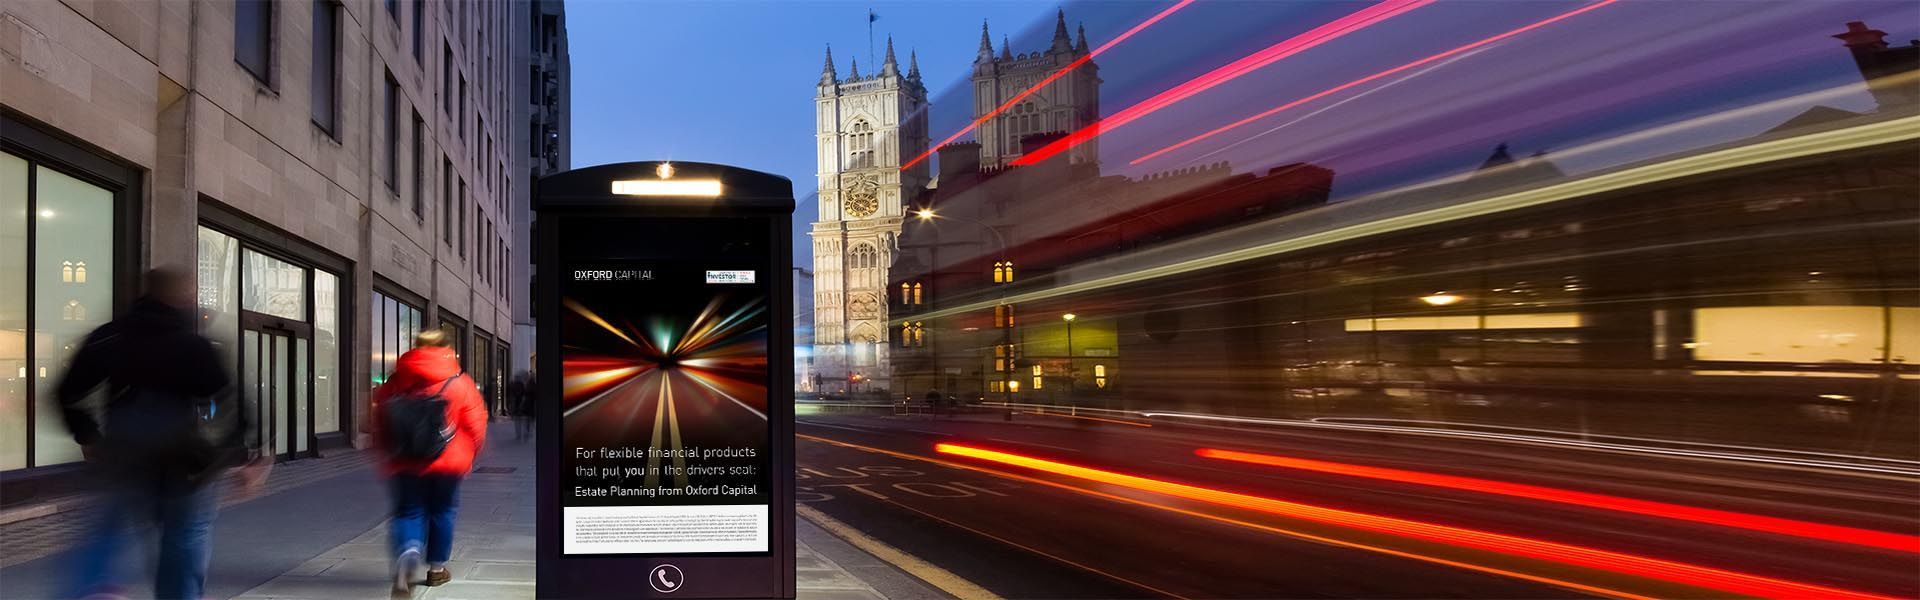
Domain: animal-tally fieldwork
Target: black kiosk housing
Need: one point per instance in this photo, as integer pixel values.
(664, 362)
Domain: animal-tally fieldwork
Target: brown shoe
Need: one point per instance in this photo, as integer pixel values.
(438, 577)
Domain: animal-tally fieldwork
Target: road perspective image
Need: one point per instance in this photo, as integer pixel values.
(959, 299)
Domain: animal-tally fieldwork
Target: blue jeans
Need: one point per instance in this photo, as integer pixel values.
(423, 510)
(185, 518)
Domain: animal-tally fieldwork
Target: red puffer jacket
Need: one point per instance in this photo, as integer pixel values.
(424, 368)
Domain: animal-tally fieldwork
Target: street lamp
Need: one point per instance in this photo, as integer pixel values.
(1075, 409)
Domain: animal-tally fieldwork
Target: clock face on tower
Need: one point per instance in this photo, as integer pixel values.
(861, 203)
(863, 198)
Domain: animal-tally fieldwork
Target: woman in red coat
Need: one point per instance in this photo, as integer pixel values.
(427, 493)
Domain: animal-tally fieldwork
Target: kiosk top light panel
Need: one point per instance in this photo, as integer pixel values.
(666, 185)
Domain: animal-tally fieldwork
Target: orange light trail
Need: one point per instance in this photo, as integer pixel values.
(1819, 531)
(1043, 83)
(1330, 31)
(1364, 80)
(1604, 560)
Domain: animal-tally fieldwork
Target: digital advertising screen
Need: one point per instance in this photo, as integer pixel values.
(664, 436)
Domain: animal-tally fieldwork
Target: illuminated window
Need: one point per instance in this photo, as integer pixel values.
(1003, 315)
(916, 294)
(66, 271)
(996, 386)
(1003, 271)
(919, 334)
(906, 294)
(1099, 370)
(1036, 372)
(1014, 386)
(80, 272)
(906, 335)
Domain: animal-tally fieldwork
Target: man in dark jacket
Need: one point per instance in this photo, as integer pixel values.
(157, 370)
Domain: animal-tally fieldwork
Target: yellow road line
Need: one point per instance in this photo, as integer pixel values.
(673, 426)
(659, 416)
(925, 571)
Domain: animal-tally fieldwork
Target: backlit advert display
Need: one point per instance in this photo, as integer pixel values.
(663, 352)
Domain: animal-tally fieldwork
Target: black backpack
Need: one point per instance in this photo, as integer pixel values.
(416, 424)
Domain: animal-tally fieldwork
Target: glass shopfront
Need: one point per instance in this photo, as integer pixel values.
(276, 319)
(59, 279)
(395, 322)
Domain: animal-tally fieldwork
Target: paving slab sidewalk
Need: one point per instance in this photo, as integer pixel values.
(493, 557)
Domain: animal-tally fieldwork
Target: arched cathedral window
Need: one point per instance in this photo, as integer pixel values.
(865, 262)
(860, 145)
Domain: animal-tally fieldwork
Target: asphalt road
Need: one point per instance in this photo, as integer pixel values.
(1156, 520)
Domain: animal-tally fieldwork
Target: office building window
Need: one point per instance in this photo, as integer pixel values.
(419, 30)
(393, 134)
(446, 79)
(326, 57)
(419, 167)
(446, 201)
(463, 107)
(462, 201)
(253, 36)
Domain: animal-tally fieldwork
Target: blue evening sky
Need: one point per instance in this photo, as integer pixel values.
(733, 82)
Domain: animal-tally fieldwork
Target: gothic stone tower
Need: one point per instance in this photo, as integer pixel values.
(1068, 104)
(866, 127)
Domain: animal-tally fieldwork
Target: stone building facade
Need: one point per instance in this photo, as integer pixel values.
(867, 126)
(337, 172)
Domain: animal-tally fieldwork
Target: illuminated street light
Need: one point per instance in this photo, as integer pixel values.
(1440, 299)
(1069, 317)
(925, 214)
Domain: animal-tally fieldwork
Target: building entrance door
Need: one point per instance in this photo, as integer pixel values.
(273, 376)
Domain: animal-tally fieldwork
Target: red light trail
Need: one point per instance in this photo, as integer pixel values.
(1375, 76)
(1819, 531)
(1591, 558)
(1294, 45)
(1043, 83)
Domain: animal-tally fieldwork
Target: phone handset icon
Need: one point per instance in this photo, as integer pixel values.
(666, 579)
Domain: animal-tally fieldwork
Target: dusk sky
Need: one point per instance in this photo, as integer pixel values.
(733, 82)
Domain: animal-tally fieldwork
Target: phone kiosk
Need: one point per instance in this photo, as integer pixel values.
(663, 308)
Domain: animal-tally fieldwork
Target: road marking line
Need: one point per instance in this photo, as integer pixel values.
(673, 426)
(659, 421)
(925, 571)
(819, 424)
(1612, 593)
(930, 432)
(597, 398)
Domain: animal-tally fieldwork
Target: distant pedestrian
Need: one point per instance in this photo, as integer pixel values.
(168, 430)
(429, 422)
(522, 406)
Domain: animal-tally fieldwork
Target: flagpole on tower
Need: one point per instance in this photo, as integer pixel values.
(871, 17)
